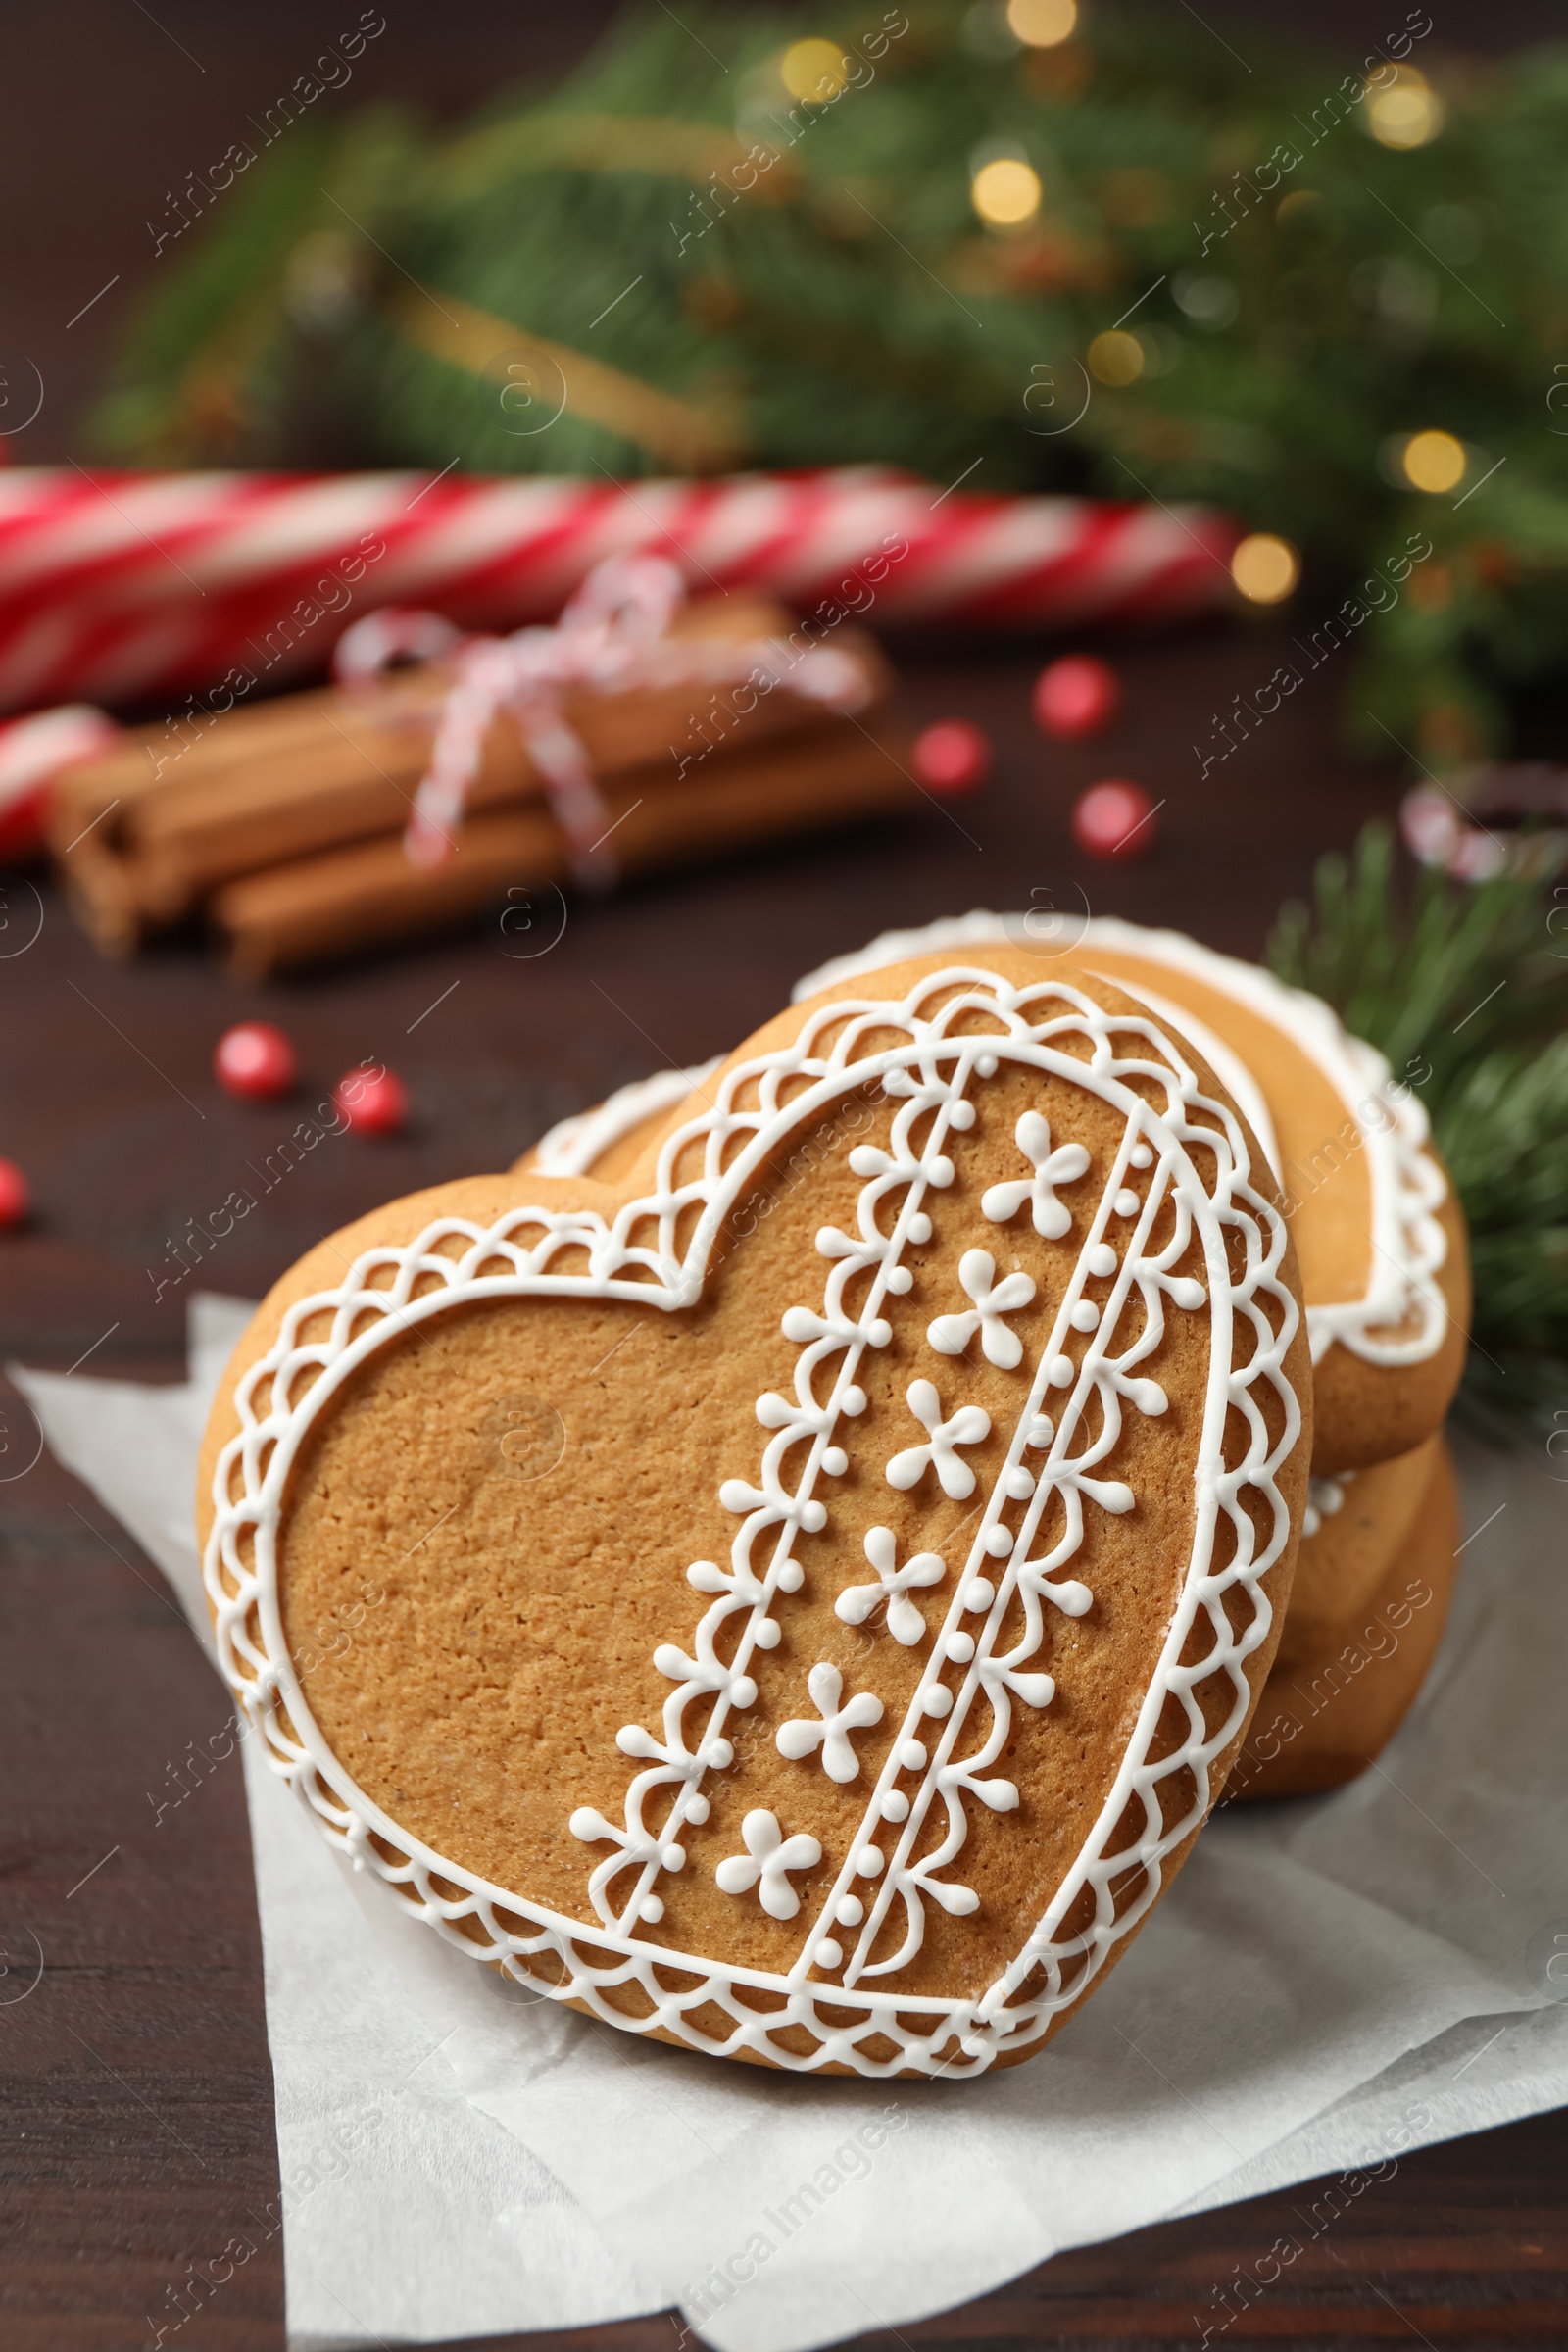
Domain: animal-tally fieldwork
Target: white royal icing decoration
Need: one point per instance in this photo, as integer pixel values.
(1324, 1497)
(1184, 1156)
(893, 1585)
(768, 1858)
(801, 1736)
(1065, 1165)
(571, 1147)
(966, 1426)
(949, 1334)
(1400, 1318)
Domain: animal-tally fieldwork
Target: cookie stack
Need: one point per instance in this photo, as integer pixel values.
(1385, 1273)
(790, 1567)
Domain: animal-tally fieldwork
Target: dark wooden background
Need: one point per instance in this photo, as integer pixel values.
(135, 2098)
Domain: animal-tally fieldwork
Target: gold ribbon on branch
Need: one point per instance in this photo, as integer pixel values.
(689, 436)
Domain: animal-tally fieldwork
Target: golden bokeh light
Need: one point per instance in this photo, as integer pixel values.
(1005, 192)
(1403, 111)
(1433, 461)
(1042, 23)
(815, 70)
(1116, 357)
(1265, 569)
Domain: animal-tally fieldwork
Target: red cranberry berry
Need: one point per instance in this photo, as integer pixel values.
(15, 1200)
(952, 757)
(372, 1100)
(1114, 820)
(1075, 696)
(256, 1062)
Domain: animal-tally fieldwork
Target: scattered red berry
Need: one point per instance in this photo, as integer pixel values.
(15, 1201)
(1076, 696)
(1114, 820)
(372, 1100)
(952, 757)
(256, 1062)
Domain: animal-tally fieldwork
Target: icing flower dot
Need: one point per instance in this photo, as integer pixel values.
(980, 1594)
(767, 1864)
(1101, 1259)
(837, 1719)
(791, 1577)
(853, 1401)
(1141, 1155)
(720, 1755)
(1085, 1315)
(911, 1755)
(813, 1517)
(650, 1909)
(899, 1278)
(1126, 1202)
(961, 1114)
(960, 1647)
(769, 1634)
(999, 1543)
(895, 1807)
(1062, 1372)
(1019, 1483)
(743, 1691)
(835, 1461)
(987, 1065)
(828, 1954)
(849, 1911)
(939, 1701)
(1041, 1429)
(673, 1857)
(920, 1226)
(871, 1863)
(697, 1809)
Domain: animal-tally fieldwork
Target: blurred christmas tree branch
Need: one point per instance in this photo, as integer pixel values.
(1329, 292)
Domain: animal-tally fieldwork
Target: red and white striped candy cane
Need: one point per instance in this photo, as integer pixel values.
(124, 586)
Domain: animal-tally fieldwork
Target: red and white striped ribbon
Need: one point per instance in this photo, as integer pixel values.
(612, 636)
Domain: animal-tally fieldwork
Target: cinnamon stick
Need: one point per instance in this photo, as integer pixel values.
(319, 908)
(272, 785)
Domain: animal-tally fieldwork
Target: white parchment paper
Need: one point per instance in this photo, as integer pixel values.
(1332, 1983)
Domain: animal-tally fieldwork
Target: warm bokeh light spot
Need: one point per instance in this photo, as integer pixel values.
(1042, 23)
(1266, 568)
(1116, 357)
(1433, 461)
(1005, 192)
(815, 71)
(1404, 109)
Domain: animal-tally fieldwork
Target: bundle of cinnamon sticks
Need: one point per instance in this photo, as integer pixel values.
(285, 824)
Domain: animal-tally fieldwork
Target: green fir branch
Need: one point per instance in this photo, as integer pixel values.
(1301, 298)
(1465, 989)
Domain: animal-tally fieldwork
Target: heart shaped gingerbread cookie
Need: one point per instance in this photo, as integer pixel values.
(801, 1601)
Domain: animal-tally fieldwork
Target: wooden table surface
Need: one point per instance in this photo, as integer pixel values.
(135, 2098)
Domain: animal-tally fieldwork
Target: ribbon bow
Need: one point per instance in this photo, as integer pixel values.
(612, 637)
